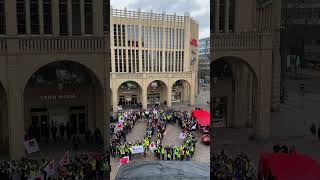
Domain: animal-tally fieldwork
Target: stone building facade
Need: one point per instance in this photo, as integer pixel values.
(154, 58)
(245, 67)
(53, 67)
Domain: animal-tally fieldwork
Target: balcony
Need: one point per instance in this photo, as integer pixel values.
(236, 41)
(53, 45)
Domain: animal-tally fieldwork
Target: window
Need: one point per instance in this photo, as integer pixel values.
(182, 58)
(119, 35)
(124, 61)
(116, 60)
(21, 17)
(47, 17)
(63, 17)
(34, 15)
(160, 61)
(166, 61)
(129, 60)
(120, 60)
(137, 36)
(142, 58)
(137, 60)
(231, 15)
(76, 18)
(133, 61)
(106, 11)
(115, 35)
(221, 16)
(88, 17)
(2, 17)
(123, 35)
(142, 36)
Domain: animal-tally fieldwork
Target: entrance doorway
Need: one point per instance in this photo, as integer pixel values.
(78, 119)
(40, 123)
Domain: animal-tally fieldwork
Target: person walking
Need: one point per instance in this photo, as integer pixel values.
(313, 131)
(319, 132)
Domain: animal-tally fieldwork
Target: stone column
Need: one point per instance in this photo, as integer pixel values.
(11, 17)
(69, 7)
(115, 98)
(226, 16)
(55, 18)
(169, 95)
(28, 16)
(97, 8)
(15, 111)
(41, 26)
(82, 21)
(144, 96)
(217, 13)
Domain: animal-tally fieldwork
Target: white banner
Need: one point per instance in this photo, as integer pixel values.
(31, 146)
(182, 136)
(50, 168)
(137, 149)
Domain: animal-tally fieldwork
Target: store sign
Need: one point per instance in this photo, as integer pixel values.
(58, 97)
(194, 42)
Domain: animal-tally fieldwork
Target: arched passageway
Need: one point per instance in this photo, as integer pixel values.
(233, 93)
(157, 93)
(130, 94)
(63, 95)
(181, 93)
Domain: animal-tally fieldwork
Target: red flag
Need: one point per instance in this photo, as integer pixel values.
(124, 160)
(65, 160)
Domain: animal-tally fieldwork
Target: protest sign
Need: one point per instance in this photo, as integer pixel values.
(65, 160)
(137, 149)
(182, 136)
(124, 160)
(31, 146)
(50, 169)
(152, 146)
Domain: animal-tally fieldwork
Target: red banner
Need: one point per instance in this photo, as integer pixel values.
(194, 42)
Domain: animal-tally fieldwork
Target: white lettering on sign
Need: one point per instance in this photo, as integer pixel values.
(58, 97)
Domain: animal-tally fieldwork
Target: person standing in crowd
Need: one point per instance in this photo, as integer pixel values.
(313, 131)
(61, 131)
(54, 130)
(76, 142)
(319, 132)
(68, 129)
(97, 135)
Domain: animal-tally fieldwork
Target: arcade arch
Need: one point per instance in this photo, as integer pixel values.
(157, 93)
(63, 93)
(129, 94)
(181, 92)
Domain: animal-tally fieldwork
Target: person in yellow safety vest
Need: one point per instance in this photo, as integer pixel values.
(191, 151)
(130, 151)
(158, 152)
(188, 154)
(162, 152)
(122, 151)
(93, 165)
(176, 152)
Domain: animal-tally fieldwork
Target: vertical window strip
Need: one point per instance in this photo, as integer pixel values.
(88, 17)
(120, 60)
(2, 17)
(34, 17)
(21, 16)
(137, 60)
(124, 61)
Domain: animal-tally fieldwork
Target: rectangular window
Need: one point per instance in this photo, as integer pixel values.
(21, 17)
(137, 36)
(119, 35)
(177, 38)
(132, 36)
(133, 61)
(123, 35)
(63, 17)
(161, 36)
(166, 61)
(182, 58)
(161, 61)
(120, 60)
(142, 37)
(137, 60)
(88, 17)
(150, 64)
(128, 36)
(143, 63)
(124, 61)
(2, 17)
(76, 18)
(116, 60)
(115, 35)
(129, 60)
(221, 16)
(106, 10)
(34, 17)
(182, 38)
(47, 17)
(231, 15)
(172, 45)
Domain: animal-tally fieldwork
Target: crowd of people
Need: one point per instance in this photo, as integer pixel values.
(94, 166)
(157, 120)
(223, 166)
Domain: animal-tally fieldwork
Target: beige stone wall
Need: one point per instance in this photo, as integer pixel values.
(150, 19)
(23, 55)
(251, 43)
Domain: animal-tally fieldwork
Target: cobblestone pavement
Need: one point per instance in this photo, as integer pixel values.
(288, 126)
(202, 152)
